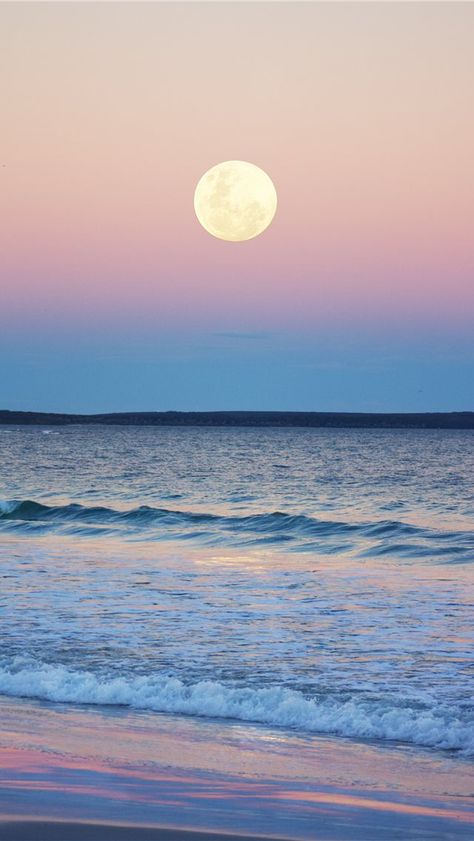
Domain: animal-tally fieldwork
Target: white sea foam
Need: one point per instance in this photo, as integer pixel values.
(276, 706)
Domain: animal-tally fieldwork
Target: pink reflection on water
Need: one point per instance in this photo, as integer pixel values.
(92, 783)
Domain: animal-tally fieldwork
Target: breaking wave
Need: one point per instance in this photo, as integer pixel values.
(438, 727)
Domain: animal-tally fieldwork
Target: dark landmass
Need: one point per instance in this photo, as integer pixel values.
(332, 420)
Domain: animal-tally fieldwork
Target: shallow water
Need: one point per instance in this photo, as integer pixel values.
(319, 580)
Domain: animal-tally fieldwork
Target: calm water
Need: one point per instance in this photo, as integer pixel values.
(319, 580)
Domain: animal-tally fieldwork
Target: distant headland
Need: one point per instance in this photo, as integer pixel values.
(331, 420)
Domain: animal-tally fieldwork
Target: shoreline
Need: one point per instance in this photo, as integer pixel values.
(119, 774)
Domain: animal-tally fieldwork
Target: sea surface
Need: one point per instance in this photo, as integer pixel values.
(314, 581)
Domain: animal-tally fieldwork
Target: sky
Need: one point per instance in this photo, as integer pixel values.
(360, 294)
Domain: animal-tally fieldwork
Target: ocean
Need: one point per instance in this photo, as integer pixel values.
(311, 581)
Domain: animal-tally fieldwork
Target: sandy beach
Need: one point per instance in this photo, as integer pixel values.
(61, 830)
(86, 773)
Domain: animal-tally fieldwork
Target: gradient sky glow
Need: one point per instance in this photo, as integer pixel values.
(360, 295)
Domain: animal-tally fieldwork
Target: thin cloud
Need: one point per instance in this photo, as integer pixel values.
(240, 334)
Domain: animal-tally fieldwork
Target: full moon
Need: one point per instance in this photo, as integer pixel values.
(235, 200)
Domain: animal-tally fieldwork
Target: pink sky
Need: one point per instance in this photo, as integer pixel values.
(363, 116)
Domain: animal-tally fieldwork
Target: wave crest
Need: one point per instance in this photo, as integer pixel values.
(437, 727)
(298, 531)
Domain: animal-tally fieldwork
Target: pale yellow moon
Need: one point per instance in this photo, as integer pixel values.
(235, 200)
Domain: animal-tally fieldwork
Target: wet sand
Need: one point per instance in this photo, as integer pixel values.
(68, 831)
(81, 774)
